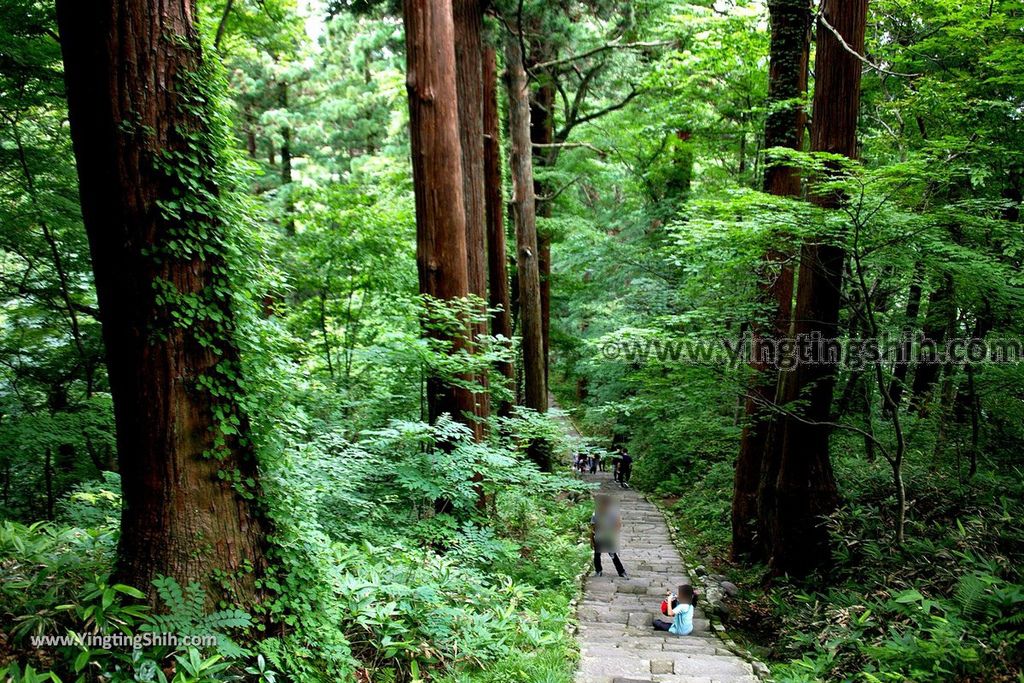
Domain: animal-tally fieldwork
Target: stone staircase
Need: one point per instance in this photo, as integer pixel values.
(617, 641)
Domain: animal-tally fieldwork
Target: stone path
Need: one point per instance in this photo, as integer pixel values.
(617, 642)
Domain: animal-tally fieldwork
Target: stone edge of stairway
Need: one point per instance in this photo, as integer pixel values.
(761, 670)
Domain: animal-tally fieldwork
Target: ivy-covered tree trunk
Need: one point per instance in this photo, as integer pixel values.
(468, 21)
(147, 144)
(524, 214)
(497, 260)
(784, 127)
(804, 484)
(437, 178)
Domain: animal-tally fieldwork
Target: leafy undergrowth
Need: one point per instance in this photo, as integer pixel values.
(947, 606)
(370, 585)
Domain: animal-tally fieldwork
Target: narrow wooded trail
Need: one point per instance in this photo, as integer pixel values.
(617, 641)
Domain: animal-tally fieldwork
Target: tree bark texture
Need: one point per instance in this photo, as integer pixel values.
(138, 137)
(542, 134)
(497, 259)
(802, 480)
(524, 214)
(468, 22)
(437, 178)
(789, 49)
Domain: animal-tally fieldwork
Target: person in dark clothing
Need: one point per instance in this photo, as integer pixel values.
(625, 469)
(605, 525)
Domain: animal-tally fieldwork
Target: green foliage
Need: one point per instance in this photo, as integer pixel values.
(92, 504)
(56, 585)
(186, 615)
(934, 202)
(298, 191)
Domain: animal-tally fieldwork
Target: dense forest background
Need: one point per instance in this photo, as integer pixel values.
(276, 349)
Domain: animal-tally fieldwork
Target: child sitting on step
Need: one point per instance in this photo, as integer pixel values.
(680, 607)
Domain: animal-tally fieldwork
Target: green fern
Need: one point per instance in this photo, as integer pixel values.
(970, 594)
(186, 616)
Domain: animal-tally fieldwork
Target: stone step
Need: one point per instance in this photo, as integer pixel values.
(710, 665)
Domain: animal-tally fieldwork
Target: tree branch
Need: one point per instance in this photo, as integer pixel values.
(563, 133)
(223, 23)
(859, 56)
(599, 50)
(554, 195)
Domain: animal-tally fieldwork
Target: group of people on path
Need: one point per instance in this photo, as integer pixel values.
(594, 462)
(605, 528)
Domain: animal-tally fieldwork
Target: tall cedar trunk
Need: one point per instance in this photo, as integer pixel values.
(469, 25)
(903, 353)
(437, 179)
(131, 108)
(286, 162)
(804, 484)
(497, 260)
(790, 45)
(542, 134)
(524, 215)
(938, 321)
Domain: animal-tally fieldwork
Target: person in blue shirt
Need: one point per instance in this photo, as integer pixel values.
(680, 608)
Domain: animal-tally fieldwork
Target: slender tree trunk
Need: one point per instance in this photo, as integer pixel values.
(524, 214)
(286, 162)
(975, 408)
(903, 354)
(468, 21)
(48, 480)
(805, 487)
(497, 260)
(790, 45)
(130, 70)
(947, 399)
(437, 177)
(58, 263)
(326, 334)
(939, 319)
(542, 134)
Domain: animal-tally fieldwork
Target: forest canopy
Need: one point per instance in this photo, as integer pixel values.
(309, 308)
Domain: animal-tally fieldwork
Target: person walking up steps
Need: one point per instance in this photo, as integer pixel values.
(625, 469)
(605, 525)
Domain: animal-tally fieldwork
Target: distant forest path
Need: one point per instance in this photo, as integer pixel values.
(617, 642)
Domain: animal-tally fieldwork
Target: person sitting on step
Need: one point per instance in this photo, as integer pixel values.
(604, 533)
(680, 607)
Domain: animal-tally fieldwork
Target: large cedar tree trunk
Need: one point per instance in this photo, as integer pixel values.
(468, 20)
(141, 133)
(524, 214)
(437, 178)
(497, 260)
(802, 482)
(784, 127)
